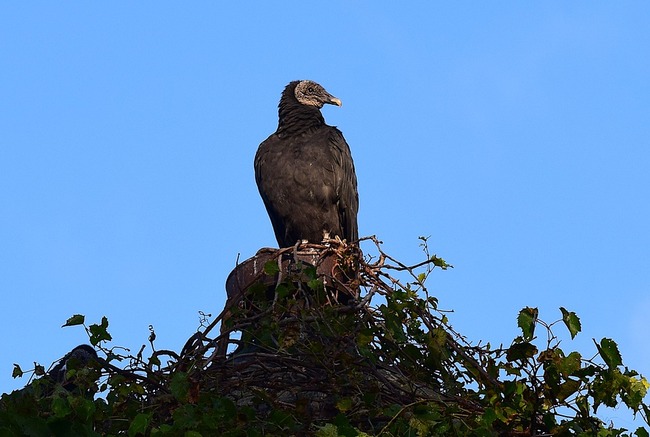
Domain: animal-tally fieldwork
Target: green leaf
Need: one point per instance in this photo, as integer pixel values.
(568, 388)
(98, 333)
(310, 271)
(521, 351)
(489, 416)
(344, 428)
(77, 319)
(61, 407)
(17, 372)
(139, 424)
(608, 350)
(271, 267)
(154, 361)
(439, 262)
(39, 370)
(570, 364)
(281, 419)
(328, 430)
(315, 284)
(641, 432)
(180, 386)
(344, 405)
(282, 291)
(163, 429)
(572, 322)
(526, 321)
(83, 408)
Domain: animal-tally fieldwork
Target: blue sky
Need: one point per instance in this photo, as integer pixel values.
(516, 135)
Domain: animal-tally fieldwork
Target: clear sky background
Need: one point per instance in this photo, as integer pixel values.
(515, 134)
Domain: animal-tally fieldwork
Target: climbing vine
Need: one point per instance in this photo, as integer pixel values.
(324, 340)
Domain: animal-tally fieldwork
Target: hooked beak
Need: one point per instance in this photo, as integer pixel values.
(333, 100)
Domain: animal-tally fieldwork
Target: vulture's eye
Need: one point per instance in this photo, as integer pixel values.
(311, 89)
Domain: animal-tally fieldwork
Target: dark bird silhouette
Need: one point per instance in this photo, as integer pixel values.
(83, 354)
(305, 173)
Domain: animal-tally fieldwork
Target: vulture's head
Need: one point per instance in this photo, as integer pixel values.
(310, 93)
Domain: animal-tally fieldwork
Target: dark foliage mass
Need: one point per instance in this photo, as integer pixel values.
(384, 363)
(305, 173)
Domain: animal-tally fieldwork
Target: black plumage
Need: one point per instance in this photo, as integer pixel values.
(305, 173)
(82, 355)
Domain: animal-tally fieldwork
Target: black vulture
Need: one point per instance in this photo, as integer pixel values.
(83, 354)
(305, 173)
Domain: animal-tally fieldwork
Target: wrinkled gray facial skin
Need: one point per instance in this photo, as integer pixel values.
(312, 94)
